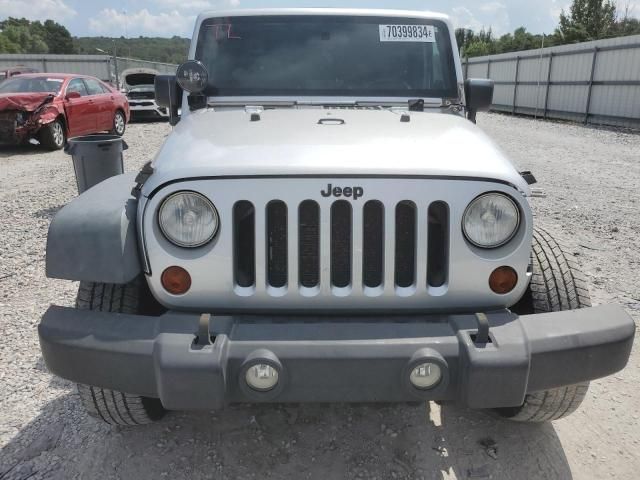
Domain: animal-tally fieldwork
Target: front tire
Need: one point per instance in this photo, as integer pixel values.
(556, 285)
(119, 124)
(53, 135)
(112, 407)
(117, 408)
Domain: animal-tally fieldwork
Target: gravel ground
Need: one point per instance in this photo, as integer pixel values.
(592, 181)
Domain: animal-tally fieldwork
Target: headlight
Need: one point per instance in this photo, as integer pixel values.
(188, 219)
(491, 220)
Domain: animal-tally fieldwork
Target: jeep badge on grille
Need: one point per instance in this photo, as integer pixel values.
(355, 192)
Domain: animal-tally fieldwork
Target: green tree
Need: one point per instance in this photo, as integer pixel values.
(481, 44)
(464, 36)
(627, 25)
(19, 35)
(7, 46)
(520, 40)
(587, 20)
(25, 39)
(166, 50)
(58, 38)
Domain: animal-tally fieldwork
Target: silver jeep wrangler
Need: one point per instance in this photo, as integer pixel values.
(325, 223)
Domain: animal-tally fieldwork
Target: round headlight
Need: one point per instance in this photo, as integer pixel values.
(188, 219)
(491, 220)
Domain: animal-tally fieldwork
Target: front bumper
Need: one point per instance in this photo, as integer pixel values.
(334, 359)
(141, 109)
(11, 134)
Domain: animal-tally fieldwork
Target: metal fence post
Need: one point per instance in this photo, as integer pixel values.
(546, 95)
(515, 85)
(115, 66)
(593, 71)
(489, 68)
(108, 62)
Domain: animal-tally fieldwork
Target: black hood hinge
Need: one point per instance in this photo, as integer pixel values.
(528, 177)
(141, 178)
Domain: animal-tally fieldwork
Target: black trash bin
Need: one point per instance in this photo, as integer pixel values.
(96, 158)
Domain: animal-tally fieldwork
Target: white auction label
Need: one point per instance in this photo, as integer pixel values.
(407, 33)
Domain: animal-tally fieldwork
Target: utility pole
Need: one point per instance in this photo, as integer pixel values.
(115, 62)
(540, 75)
(126, 32)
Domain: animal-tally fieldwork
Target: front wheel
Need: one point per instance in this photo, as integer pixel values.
(556, 285)
(112, 407)
(119, 124)
(53, 135)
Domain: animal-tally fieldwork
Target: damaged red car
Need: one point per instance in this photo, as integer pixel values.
(49, 108)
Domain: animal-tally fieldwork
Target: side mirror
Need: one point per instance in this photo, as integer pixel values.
(72, 95)
(169, 95)
(479, 96)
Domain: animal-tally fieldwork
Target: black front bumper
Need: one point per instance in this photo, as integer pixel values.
(335, 359)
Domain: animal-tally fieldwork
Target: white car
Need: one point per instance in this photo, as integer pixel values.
(138, 85)
(325, 223)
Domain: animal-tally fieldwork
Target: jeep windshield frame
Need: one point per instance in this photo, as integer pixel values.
(327, 56)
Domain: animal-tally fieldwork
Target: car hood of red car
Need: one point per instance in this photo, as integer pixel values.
(26, 102)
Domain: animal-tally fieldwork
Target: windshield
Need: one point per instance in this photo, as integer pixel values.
(31, 85)
(328, 56)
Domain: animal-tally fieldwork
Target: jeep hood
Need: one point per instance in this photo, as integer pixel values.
(327, 142)
(25, 102)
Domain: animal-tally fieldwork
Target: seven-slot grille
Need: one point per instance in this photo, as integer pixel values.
(351, 239)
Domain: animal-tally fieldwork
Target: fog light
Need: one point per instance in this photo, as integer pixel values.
(261, 377)
(503, 280)
(176, 280)
(425, 376)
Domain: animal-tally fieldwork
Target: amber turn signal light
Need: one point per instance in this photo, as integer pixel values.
(176, 280)
(503, 280)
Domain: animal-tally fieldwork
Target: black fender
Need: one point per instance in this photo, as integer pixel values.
(94, 237)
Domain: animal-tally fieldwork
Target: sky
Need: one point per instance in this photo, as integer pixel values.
(165, 18)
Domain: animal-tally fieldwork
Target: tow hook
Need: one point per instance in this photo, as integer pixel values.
(203, 338)
(482, 337)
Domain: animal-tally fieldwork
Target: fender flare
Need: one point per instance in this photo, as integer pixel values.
(94, 238)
